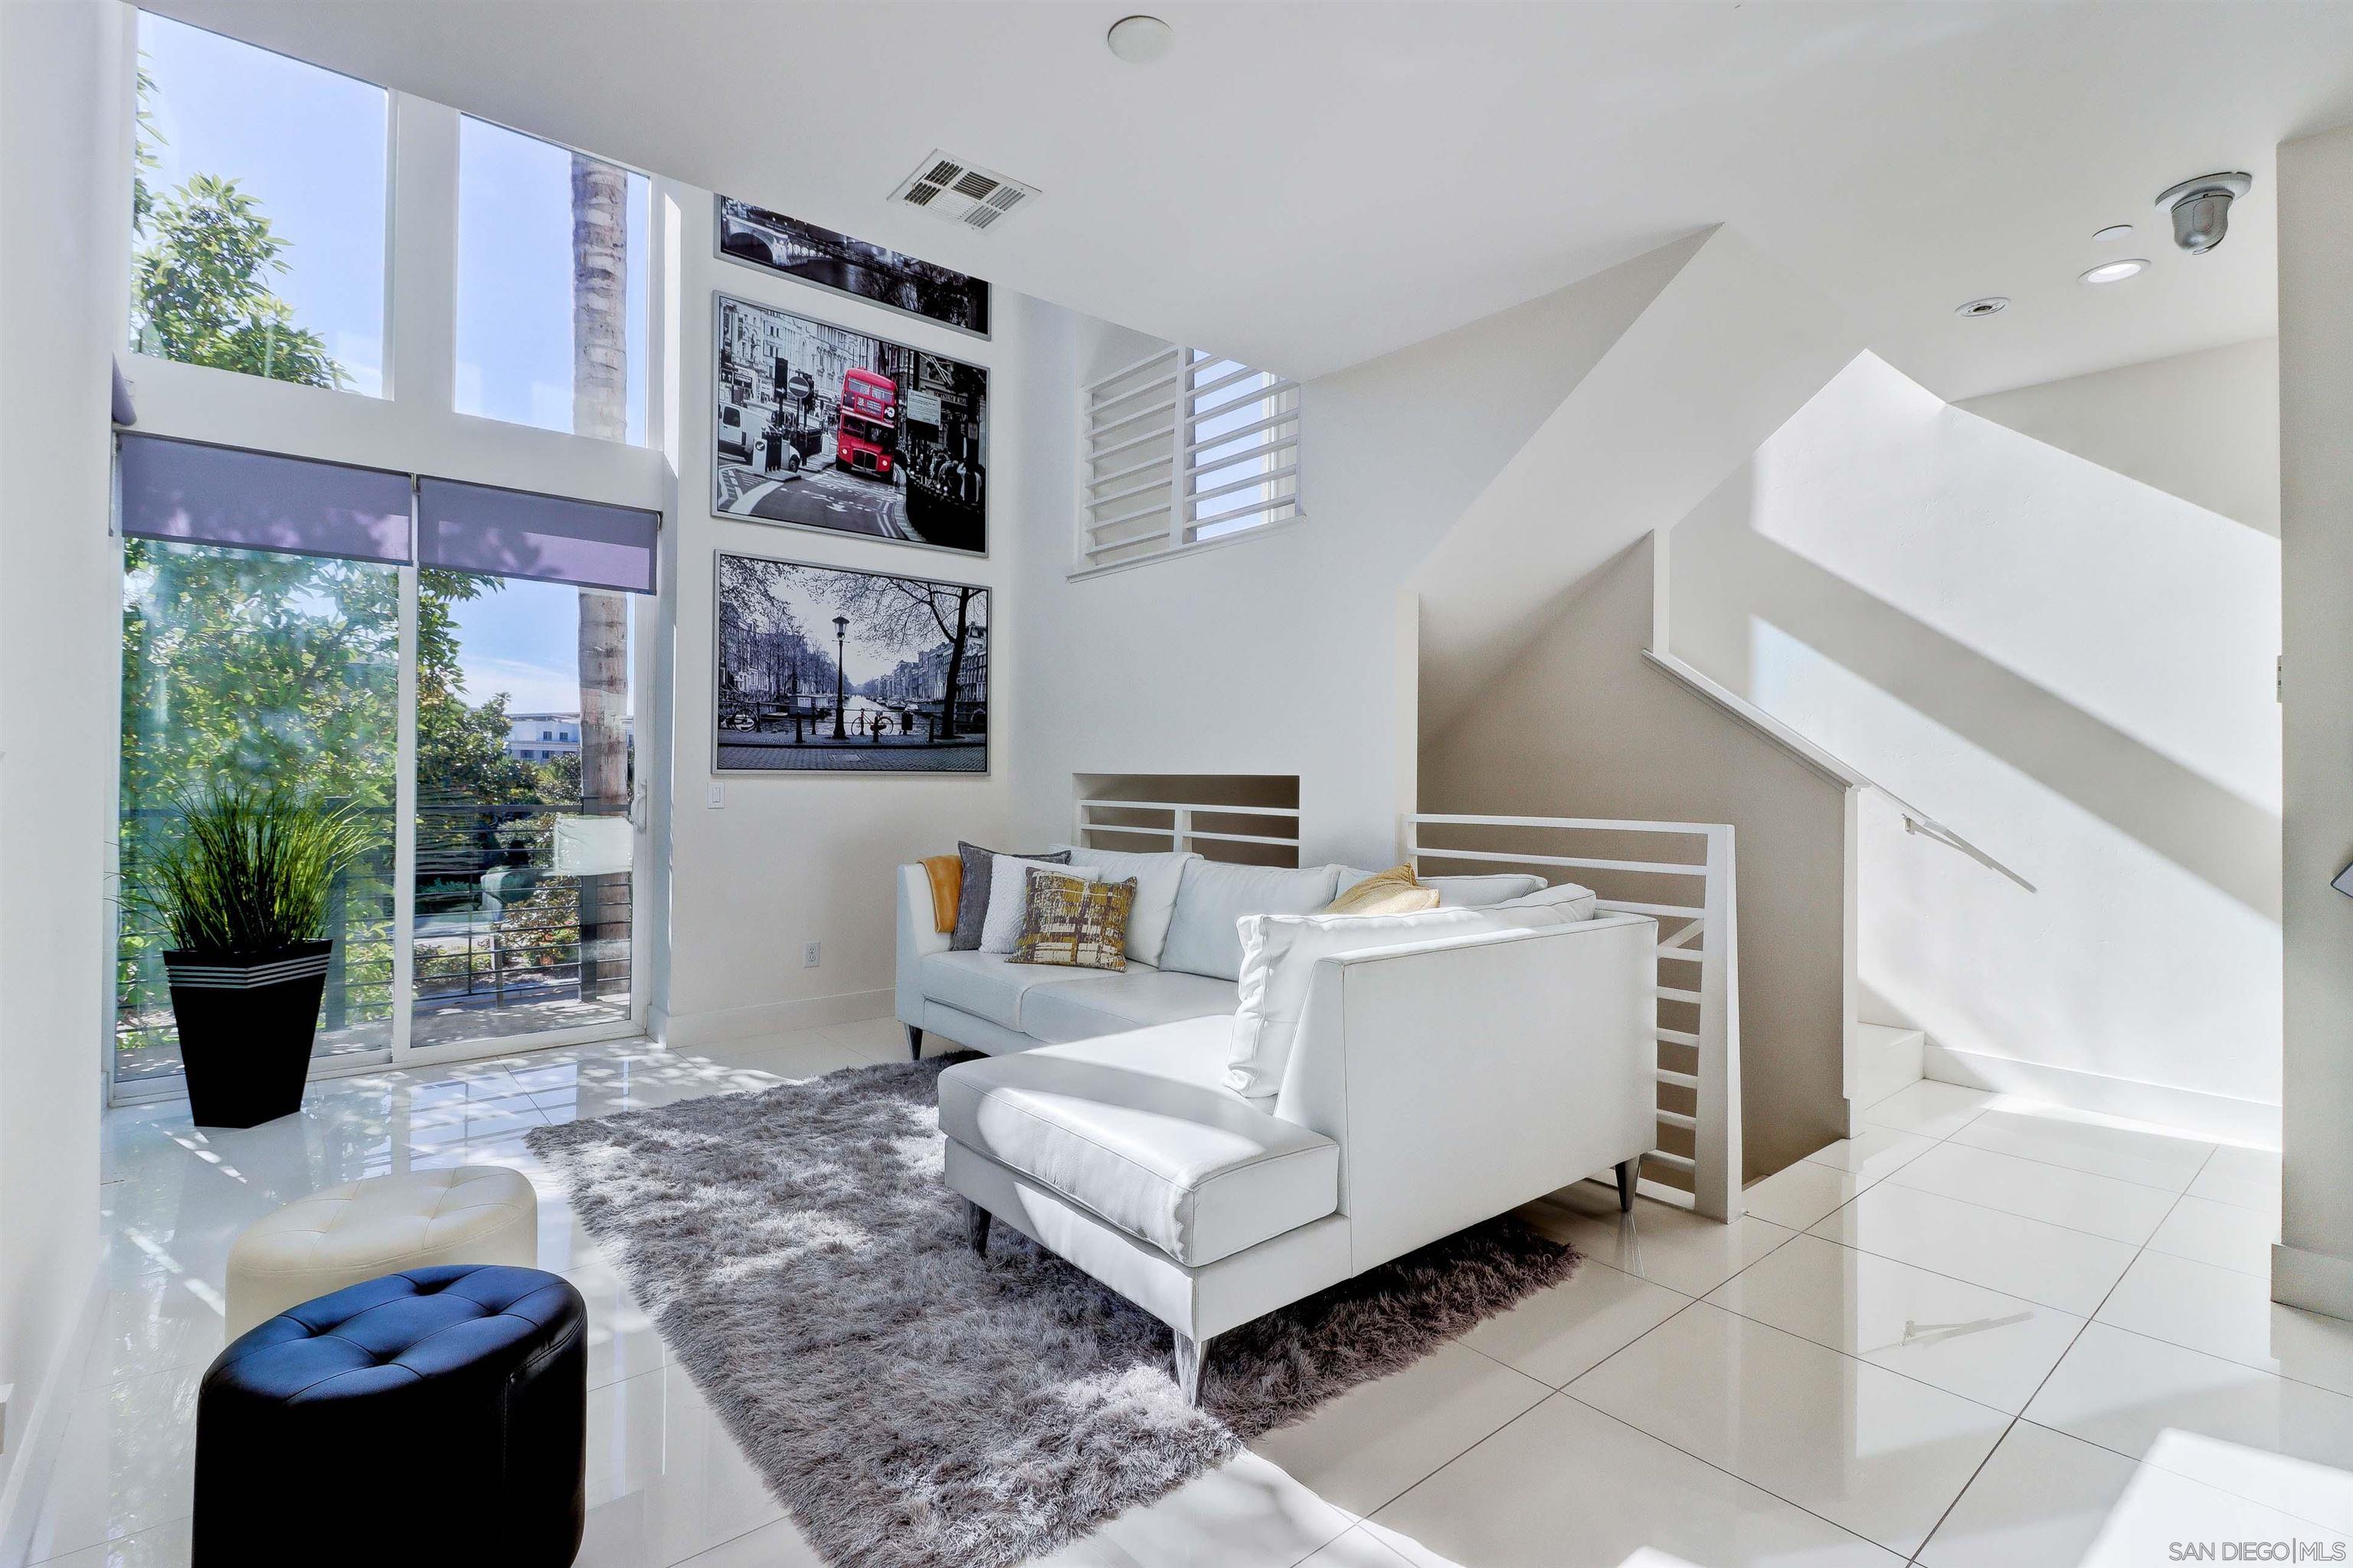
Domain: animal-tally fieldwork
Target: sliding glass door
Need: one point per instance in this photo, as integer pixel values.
(524, 768)
(245, 669)
(452, 663)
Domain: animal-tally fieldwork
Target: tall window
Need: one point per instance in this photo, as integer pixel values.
(257, 212)
(1184, 448)
(552, 285)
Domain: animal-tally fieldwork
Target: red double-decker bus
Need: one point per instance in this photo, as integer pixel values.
(870, 423)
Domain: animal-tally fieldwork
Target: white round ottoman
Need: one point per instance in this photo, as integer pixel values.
(472, 1213)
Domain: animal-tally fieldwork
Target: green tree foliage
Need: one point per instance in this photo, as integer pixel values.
(200, 273)
(203, 296)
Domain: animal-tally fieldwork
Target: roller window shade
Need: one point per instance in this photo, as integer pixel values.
(198, 494)
(516, 533)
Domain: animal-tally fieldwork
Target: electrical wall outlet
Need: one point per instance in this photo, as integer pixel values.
(719, 794)
(811, 953)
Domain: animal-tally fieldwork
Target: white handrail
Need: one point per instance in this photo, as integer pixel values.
(1705, 932)
(1915, 820)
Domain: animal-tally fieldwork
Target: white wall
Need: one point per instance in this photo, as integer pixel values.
(2070, 668)
(1579, 724)
(794, 858)
(63, 168)
(2202, 426)
(1294, 652)
(2314, 1265)
(1730, 347)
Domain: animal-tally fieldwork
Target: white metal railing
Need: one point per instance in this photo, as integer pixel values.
(1698, 979)
(1179, 829)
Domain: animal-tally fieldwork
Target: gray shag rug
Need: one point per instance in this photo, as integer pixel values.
(915, 1406)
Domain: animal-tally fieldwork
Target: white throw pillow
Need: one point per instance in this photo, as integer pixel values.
(1156, 877)
(1278, 957)
(1009, 898)
(1460, 892)
(1214, 893)
(1573, 903)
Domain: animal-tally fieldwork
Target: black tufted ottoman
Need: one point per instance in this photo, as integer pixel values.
(433, 1415)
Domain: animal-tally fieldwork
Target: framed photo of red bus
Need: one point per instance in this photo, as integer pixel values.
(815, 426)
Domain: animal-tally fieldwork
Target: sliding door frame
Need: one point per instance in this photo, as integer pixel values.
(649, 718)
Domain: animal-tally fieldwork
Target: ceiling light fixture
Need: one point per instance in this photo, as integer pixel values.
(2117, 272)
(1992, 304)
(1140, 40)
(2112, 233)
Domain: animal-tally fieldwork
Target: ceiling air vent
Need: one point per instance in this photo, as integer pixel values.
(957, 192)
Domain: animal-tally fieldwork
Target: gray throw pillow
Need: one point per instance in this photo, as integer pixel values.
(972, 896)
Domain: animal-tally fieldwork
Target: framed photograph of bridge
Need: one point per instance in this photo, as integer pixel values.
(821, 670)
(815, 426)
(828, 259)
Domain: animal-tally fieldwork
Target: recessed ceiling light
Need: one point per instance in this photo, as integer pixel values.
(1140, 40)
(1992, 304)
(2117, 272)
(2112, 233)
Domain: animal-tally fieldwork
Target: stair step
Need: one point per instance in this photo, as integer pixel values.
(1887, 1058)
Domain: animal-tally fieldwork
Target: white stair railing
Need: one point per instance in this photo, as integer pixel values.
(1698, 980)
(1179, 829)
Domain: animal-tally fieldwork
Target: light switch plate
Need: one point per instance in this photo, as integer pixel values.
(719, 794)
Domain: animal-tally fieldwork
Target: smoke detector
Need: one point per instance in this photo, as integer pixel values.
(954, 190)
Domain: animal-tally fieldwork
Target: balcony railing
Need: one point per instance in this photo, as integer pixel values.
(497, 929)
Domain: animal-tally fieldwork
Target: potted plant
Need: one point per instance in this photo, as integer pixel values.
(243, 892)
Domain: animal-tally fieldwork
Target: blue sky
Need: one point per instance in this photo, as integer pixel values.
(311, 147)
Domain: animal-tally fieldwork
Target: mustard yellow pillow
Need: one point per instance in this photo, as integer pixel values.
(1072, 921)
(1392, 892)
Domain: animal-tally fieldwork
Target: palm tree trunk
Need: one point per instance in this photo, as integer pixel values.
(600, 408)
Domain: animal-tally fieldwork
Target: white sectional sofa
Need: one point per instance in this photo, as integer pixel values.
(984, 1002)
(1213, 1150)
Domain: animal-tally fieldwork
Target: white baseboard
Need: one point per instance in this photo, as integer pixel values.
(686, 1030)
(2218, 1117)
(36, 1421)
(2315, 1281)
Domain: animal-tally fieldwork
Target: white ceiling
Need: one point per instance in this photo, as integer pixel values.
(1307, 185)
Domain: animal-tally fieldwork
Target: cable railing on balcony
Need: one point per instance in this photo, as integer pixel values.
(502, 942)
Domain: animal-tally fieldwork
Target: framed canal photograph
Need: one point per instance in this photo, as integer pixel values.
(788, 246)
(820, 669)
(819, 427)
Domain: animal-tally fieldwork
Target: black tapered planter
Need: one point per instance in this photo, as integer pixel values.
(247, 1024)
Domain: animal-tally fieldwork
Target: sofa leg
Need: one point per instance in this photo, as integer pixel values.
(976, 1226)
(1628, 1169)
(914, 1043)
(1190, 1355)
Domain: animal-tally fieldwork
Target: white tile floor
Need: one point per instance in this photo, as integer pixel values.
(1980, 1334)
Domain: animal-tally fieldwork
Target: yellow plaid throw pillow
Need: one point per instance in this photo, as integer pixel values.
(1072, 921)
